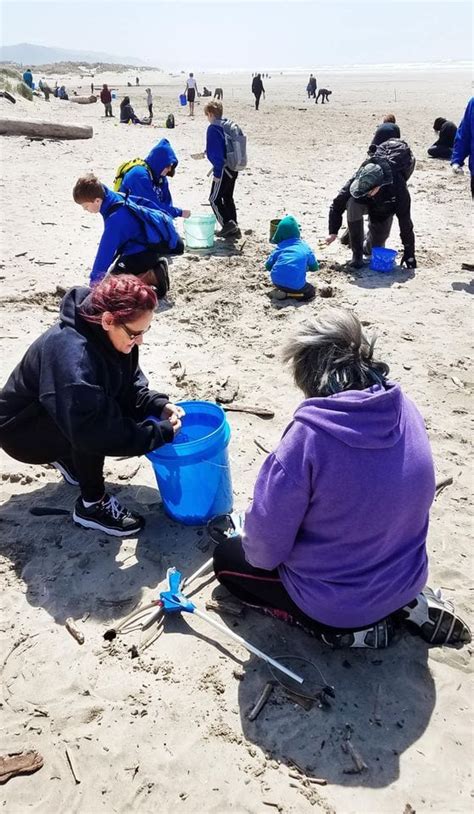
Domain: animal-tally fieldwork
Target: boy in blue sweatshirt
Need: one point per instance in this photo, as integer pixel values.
(223, 178)
(290, 261)
(124, 240)
(151, 181)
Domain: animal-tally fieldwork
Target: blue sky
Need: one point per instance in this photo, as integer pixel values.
(253, 35)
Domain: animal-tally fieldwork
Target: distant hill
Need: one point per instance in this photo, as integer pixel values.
(27, 54)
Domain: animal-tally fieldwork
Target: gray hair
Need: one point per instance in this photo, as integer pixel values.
(332, 354)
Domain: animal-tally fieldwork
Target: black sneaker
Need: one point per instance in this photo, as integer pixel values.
(376, 637)
(434, 619)
(108, 516)
(230, 229)
(67, 471)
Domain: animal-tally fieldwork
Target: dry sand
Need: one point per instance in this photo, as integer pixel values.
(169, 731)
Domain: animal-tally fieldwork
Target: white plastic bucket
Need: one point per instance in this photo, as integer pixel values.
(199, 231)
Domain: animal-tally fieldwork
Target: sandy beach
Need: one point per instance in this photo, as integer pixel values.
(169, 731)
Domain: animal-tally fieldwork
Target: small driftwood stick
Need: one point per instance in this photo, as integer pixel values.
(261, 445)
(359, 764)
(261, 701)
(263, 412)
(73, 771)
(442, 484)
(306, 703)
(377, 717)
(221, 607)
(72, 628)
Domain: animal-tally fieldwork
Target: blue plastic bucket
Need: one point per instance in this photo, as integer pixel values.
(193, 472)
(199, 231)
(382, 259)
(183, 100)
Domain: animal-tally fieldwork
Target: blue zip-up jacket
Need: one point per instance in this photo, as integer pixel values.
(464, 141)
(147, 182)
(123, 233)
(215, 147)
(289, 263)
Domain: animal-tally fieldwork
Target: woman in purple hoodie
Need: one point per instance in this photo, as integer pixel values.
(335, 537)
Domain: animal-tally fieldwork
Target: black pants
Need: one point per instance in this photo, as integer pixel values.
(262, 589)
(257, 100)
(472, 186)
(440, 151)
(150, 110)
(144, 261)
(306, 293)
(40, 441)
(222, 197)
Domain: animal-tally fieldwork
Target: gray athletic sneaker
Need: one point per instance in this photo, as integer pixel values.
(376, 637)
(433, 618)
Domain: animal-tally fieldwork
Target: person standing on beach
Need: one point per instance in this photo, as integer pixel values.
(223, 178)
(149, 101)
(464, 143)
(312, 86)
(257, 89)
(106, 99)
(190, 90)
(28, 78)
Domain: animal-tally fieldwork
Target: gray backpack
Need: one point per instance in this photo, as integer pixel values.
(235, 145)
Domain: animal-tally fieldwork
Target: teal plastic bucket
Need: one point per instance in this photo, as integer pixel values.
(193, 472)
(199, 231)
(382, 259)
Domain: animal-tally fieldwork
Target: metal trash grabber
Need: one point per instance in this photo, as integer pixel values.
(174, 601)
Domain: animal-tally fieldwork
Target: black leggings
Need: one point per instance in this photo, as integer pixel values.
(222, 197)
(257, 99)
(263, 589)
(440, 151)
(40, 441)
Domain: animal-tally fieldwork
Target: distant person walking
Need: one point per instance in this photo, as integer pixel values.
(464, 143)
(137, 80)
(443, 147)
(385, 131)
(190, 90)
(106, 99)
(312, 86)
(257, 89)
(149, 101)
(28, 78)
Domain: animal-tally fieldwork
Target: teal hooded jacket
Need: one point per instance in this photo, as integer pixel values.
(292, 258)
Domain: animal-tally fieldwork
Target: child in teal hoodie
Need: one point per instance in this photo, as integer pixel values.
(290, 261)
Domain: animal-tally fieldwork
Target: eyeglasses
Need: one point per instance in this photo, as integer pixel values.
(133, 334)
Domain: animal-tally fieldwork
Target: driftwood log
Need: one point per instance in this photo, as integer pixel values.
(20, 127)
(83, 100)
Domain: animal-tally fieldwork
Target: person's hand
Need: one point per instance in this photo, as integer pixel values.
(175, 423)
(330, 239)
(457, 170)
(408, 261)
(214, 178)
(172, 410)
(186, 213)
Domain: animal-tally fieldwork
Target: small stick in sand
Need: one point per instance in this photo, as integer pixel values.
(263, 412)
(359, 764)
(221, 607)
(71, 766)
(72, 628)
(377, 717)
(261, 701)
(442, 484)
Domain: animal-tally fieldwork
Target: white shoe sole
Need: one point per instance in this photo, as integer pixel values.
(93, 524)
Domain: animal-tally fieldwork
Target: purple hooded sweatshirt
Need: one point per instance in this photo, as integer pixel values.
(341, 508)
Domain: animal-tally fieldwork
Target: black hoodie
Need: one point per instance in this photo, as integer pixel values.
(98, 397)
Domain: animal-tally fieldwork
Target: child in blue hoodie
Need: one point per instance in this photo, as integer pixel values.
(150, 180)
(290, 261)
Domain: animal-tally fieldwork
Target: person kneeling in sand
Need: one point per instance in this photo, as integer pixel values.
(79, 394)
(149, 179)
(335, 537)
(446, 132)
(290, 261)
(125, 241)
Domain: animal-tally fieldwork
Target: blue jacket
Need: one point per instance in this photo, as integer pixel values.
(464, 141)
(147, 182)
(28, 78)
(289, 263)
(215, 147)
(123, 232)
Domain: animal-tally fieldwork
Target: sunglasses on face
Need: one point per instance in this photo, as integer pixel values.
(133, 334)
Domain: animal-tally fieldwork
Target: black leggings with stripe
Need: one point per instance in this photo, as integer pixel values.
(222, 197)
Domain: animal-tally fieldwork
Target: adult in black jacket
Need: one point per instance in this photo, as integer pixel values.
(257, 89)
(379, 190)
(385, 131)
(78, 395)
(443, 147)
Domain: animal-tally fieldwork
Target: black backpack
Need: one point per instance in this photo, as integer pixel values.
(398, 154)
(170, 122)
